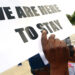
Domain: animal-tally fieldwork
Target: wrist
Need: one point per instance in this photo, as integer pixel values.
(59, 69)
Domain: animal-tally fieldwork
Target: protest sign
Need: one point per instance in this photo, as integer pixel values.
(21, 23)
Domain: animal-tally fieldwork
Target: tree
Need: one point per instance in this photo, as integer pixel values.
(71, 18)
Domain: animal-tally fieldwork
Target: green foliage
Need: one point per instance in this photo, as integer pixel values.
(71, 18)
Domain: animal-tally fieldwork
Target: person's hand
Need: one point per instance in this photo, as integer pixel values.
(56, 51)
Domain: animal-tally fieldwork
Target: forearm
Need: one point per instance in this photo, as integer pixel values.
(59, 70)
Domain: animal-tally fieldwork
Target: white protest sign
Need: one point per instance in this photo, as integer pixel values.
(21, 23)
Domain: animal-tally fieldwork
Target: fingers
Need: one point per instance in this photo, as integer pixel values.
(52, 36)
(57, 43)
(44, 38)
(65, 50)
(63, 44)
(51, 40)
(58, 51)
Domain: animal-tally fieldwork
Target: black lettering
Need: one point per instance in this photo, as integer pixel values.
(1, 14)
(8, 13)
(40, 26)
(20, 31)
(34, 11)
(48, 9)
(46, 24)
(28, 12)
(57, 22)
(54, 27)
(20, 12)
(42, 9)
(31, 33)
(52, 9)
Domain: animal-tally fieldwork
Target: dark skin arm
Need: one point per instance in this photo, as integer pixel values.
(57, 53)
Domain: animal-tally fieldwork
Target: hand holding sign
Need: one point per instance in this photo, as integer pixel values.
(21, 23)
(57, 53)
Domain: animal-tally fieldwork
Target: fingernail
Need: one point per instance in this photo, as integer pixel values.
(44, 31)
